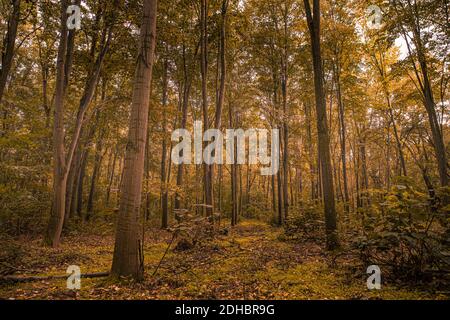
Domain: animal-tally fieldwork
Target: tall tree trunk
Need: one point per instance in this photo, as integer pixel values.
(219, 191)
(280, 195)
(284, 82)
(95, 173)
(207, 178)
(80, 186)
(164, 192)
(398, 142)
(9, 43)
(184, 109)
(313, 19)
(62, 161)
(234, 210)
(223, 74)
(342, 138)
(309, 145)
(71, 185)
(128, 259)
(425, 87)
(274, 197)
(59, 167)
(111, 177)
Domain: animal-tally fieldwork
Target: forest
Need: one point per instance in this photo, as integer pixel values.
(224, 149)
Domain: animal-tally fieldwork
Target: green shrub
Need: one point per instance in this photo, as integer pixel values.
(408, 233)
(23, 211)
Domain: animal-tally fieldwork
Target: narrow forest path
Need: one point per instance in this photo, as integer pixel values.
(249, 262)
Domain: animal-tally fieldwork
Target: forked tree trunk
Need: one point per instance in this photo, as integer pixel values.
(425, 87)
(59, 166)
(62, 162)
(128, 255)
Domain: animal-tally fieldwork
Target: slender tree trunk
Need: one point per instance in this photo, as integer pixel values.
(219, 191)
(430, 106)
(164, 192)
(223, 74)
(284, 83)
(280, 197)
(239, 166)
(71, 184)
(95, 173)
(313, 19)
(234, 210)
(309, 145)
(59, 167)
(342, 139)
(398, 142)
(74, 193)
(274, 197)
(9, 42)
(184, 110)
(128, 259)
(425, 87)
(80, 187)
(207, 178)
(111, 177)
(62, 160)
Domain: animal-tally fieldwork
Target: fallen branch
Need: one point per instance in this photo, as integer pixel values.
(40, 278)
(165, 253)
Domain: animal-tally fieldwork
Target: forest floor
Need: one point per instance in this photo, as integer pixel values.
(249, 262)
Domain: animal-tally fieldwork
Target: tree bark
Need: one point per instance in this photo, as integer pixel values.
(164, 192)
(425, 88)
(111, 177)
(313, 19)
(342, 138)
(62, 160)
(184, 109)
(9, 46)
(95, 173)
(59, 164)
(284, 82)
(207, 178)
(128, 250)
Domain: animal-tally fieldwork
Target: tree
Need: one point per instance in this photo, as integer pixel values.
(128, 259)
(313, 20)
(63, 161)
(207, 171)
(411, 12)
(9, 43)
(59, 168)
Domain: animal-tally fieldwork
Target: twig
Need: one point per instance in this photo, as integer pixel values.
(167, 250)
